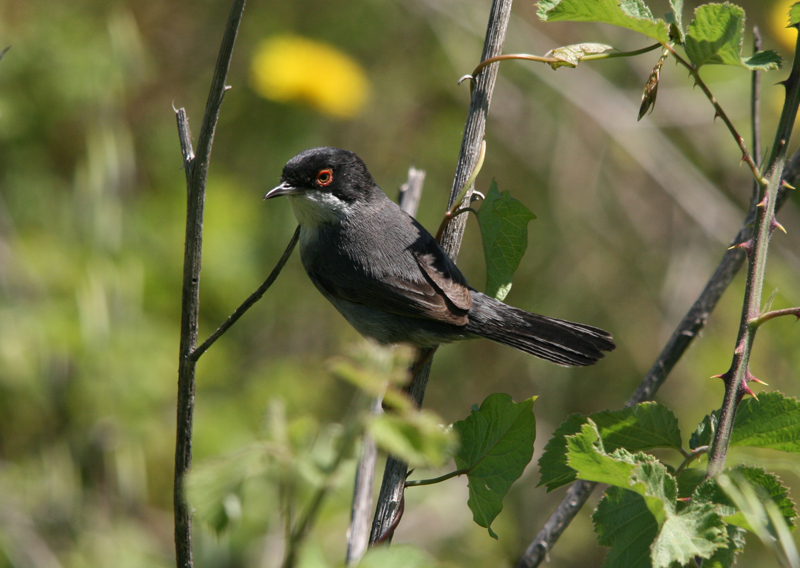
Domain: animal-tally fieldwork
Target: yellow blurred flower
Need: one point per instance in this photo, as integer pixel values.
(292, 68)
(778, 22)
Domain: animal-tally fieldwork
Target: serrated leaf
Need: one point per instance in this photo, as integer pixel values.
(641, 473)
(631, 14)
(623, 523)
(571, 55)
(794, 15)
(417, 437)
(772, 421)
(766, 484)
(504, 231)
(553, 468)
(496, 446)
(695, 531)
(637, 428)
(724, 557)
(715, 37)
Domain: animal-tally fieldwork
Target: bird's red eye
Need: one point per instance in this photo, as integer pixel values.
(325, 177)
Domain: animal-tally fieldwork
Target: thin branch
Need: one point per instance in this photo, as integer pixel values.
(394, 475)
(435, 480)
(746, 157)
(555, 60)
(252, 299)
(196, 173)
(774, 314)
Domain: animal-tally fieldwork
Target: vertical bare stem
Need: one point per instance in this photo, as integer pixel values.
(196, 173)
(394, 475)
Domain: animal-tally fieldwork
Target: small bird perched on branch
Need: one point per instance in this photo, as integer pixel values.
(390, 278)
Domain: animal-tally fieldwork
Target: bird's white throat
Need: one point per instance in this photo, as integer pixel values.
(314, 208)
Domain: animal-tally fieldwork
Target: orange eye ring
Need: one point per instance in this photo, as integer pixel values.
(324, 177)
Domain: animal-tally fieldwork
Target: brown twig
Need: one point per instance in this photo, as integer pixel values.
(252, 299)
(196, 166)
(358, 533)
(395, 473)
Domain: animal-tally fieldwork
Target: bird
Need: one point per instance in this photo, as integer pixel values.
(390, 278)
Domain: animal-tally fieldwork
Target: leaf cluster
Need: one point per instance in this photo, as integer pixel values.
(656, 515)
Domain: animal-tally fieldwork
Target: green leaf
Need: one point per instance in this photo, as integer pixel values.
(623, 523)
(504, 230)
(637, 428)
(553, 467)
(631, 14)
(772, 421)
(724, 557)
(794, 15)
(766, 484)
(571, 55)
(704, 433)
(688, 481)
(496, 445)
(675, 20)
(416, 436)
(715, 37)
(695, 531)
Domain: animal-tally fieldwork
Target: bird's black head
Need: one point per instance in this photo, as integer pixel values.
(326, 170)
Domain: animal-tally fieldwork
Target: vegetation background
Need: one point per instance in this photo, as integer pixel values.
(632, 218)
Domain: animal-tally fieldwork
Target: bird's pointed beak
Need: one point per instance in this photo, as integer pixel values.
(283, 189)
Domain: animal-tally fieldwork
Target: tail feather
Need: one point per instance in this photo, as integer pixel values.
(562, 342)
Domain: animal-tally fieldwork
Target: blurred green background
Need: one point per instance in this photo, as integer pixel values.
(632, 219)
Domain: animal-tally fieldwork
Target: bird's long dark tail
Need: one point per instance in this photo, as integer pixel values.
(562, 342)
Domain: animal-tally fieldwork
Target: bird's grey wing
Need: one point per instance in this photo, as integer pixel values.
(413, 279)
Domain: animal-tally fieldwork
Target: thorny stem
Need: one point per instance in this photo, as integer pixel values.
(746, 157)
(737, 376)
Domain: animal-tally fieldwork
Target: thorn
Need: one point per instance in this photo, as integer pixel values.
(784, 184)
(739, 348)
(746, 246)
(751, 377)
(775, 225)
(763, 202)
(748, 390)
(716, 116)
(721, 376)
